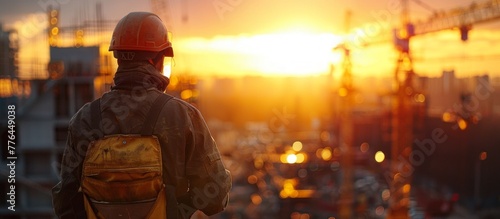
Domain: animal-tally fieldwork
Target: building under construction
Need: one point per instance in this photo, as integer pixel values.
(79, 70)
(75, 75)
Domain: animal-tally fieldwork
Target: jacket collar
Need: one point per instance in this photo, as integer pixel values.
(139, 75)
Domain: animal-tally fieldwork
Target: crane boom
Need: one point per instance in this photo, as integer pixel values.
(463, 18)
(460, 17)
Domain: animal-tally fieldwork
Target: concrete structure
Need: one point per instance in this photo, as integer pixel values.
(41, 122)
(8, 53)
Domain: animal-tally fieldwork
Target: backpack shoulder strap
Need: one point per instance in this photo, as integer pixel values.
(95, 116)
(153, 114)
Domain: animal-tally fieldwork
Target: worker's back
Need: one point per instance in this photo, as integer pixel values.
(122, 173)
(191, 170)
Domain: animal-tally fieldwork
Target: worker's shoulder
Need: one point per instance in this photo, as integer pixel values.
(82, 116)
(178, 104)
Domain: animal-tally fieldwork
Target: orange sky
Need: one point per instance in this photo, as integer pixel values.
(283, 37)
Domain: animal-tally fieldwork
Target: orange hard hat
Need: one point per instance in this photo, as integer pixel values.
(140, 35)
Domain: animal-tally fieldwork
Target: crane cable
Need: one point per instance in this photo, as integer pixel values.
(424, 5)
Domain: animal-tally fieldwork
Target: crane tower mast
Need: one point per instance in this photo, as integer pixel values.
(402, 122)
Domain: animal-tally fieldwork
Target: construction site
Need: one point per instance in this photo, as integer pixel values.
(415, 142)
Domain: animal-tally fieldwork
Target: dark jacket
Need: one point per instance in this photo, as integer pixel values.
(192, 163)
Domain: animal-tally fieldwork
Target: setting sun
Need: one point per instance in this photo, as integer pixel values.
(294, 53)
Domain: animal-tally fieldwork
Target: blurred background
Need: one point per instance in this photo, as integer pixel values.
(321, 109)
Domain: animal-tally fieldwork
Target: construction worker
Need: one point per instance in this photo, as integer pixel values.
(137, 148)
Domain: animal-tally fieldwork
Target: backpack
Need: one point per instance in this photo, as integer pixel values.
(122, 173)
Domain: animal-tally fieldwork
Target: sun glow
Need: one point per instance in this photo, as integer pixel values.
(294, 53)
(167, 66)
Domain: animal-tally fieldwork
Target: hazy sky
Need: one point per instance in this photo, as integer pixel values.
(238, 25)
(230, 17)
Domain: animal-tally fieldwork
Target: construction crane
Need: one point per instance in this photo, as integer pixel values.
(462, 18)
(402, 123)
(346, 93)
(402, 119)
